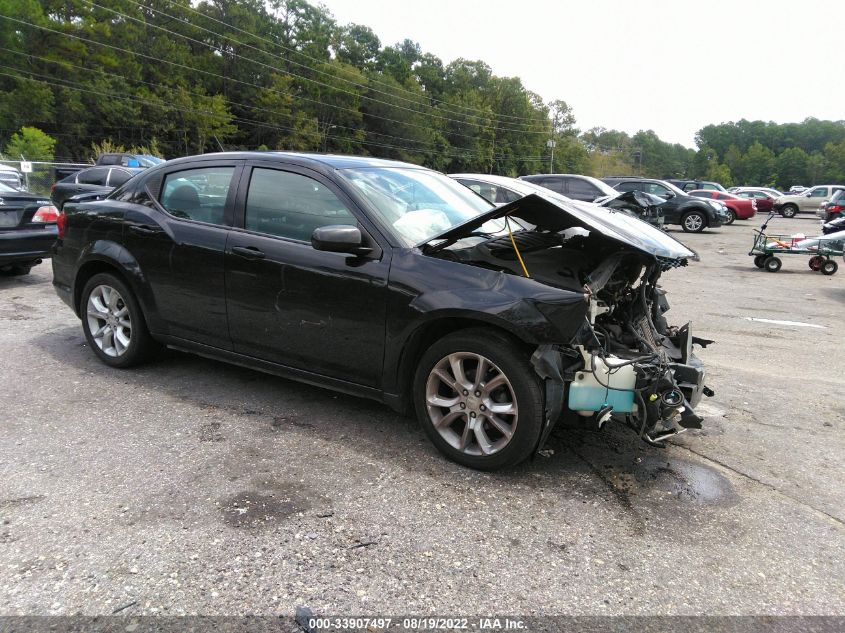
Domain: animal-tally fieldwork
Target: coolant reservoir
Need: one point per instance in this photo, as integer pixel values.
(588, 393)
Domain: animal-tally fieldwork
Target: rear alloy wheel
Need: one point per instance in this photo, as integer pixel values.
(772, 264)
(788, 210)
(479, 400)
(759, 259)
(829, 267)
(113, 323)
(731, 217)
(815, 262)
(693, 222)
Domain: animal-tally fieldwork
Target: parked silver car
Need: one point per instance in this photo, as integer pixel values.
(807, 201)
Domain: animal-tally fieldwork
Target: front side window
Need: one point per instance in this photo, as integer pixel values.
(820, 192)
(197, 194)
(291, 205)
(656, 189)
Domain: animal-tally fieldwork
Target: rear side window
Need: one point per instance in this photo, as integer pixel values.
(488, 192)
(630, 186)
(197, 194)
(118, 177)
(96, 176)
(691, 186)
(291, 205)
(582, 189)
(555, 184)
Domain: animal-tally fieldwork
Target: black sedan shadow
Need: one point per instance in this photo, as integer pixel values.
(580, 461)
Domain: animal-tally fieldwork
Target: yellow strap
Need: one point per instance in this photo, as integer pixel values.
(516, 250)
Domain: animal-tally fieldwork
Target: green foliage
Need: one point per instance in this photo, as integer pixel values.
(185, 77)
(31, 144)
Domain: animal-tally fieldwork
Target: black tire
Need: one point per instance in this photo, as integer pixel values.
(772, 264)
(759, 259)
(815, 262)
(523, 386)
(829, 267)
(731, 217)
(141, 344)
(694, 222)
(788, 210)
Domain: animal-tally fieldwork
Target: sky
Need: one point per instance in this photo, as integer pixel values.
(669, 66)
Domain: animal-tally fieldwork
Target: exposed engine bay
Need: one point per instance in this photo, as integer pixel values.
(625, 362)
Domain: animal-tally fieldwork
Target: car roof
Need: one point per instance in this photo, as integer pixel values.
(332, 161)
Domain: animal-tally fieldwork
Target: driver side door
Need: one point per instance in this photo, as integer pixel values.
(290, 304)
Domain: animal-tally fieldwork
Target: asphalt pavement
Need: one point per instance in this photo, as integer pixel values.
(189, 486)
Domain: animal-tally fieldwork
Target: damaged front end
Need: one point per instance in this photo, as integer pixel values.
(624, 362)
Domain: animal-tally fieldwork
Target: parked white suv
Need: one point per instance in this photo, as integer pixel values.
(807, 201)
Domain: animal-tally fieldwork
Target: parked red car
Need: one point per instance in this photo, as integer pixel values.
(741, 208)
(764, 197)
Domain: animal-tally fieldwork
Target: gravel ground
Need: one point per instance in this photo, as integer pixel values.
(193, 487)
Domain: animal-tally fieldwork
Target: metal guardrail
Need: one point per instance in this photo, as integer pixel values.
(42, 175)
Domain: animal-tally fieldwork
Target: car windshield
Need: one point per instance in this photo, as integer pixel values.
(145, 160)
(418, 204)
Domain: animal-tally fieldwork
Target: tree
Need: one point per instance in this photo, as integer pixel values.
(31, 144)
(792, 167)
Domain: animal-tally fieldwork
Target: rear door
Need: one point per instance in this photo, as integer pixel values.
(179, 240)
(291, 304)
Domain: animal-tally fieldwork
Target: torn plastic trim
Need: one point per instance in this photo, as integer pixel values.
(547, 361)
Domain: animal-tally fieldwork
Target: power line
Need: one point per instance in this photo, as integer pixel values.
(234, 80)
(197, 94)
(454, 153)
(451, 107)
(303, 78)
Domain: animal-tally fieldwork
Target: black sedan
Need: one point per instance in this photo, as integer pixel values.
(393, 282)
(27, 230)
(94, 180)
(691, 213)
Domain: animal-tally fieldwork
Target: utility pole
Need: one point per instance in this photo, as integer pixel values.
(551, 144)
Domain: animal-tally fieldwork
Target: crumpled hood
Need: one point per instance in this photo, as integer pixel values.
(554, 214)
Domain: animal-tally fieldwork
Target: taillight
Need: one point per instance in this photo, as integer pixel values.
(52, 189)
(61, 222)
(835, 208)
(47, 213)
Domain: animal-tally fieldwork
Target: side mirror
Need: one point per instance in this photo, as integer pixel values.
(668, 195)
(339, 238)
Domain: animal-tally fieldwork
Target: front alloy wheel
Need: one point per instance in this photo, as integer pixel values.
(478, 398)
(471, 403)
(109, 321)
(693, 222)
